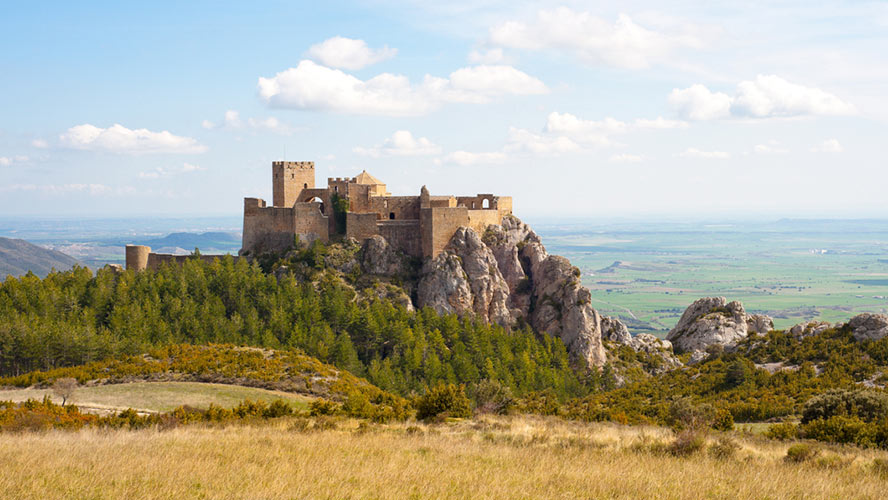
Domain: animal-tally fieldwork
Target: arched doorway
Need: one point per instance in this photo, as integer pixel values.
(316, 199)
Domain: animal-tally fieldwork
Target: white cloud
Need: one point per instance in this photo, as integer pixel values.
(660, 123)
(6, 161)
(119, 139)
(401, 143)
(467, 158)
(232, 121)
(488, 56)
(772, 147)
(524, 140)
(770, 95)
(828, 146)
(698, 103)
(765, 97)
(315, 87)
(709, 155)
(40, 143)
(626, 158)
(585, 131)
(623, 44)
(348, 53)
(161, 172)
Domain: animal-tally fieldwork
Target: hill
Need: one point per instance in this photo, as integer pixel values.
(17, 257)
(221, 241)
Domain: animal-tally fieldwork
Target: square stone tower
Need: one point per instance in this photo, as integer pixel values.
(289, 178)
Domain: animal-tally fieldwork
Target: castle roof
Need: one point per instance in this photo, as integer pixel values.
(365, 178)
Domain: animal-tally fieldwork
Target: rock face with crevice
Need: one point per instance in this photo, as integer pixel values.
(869, 326)
(505, 275)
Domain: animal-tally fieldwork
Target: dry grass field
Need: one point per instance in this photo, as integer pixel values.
(158, 396)
(509, 457)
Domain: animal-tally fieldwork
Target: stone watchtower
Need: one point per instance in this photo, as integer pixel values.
(289, 178)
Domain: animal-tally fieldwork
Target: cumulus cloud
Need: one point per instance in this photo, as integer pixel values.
(119, 139)
(708, 155)
(698, 103)
(623, 43)
(467, 158)
(6, 161)
(522, 140)
(401, 143)
(585, 131)
(765, 97)
(488, 56)
(829, 146)
(348, 53)
(314, 87)
(626, 158)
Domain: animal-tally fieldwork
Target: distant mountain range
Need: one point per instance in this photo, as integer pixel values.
(204, 241)
(17, 257)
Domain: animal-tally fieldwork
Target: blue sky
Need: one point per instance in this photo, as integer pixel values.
(587, 109)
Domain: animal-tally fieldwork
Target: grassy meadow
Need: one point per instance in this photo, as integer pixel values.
(502, 457)
(158, 396)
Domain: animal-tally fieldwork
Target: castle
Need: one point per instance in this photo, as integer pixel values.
(359, 208)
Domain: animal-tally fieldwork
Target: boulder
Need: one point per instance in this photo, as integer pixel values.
(809, 328)
(711, 320)
(647, 343)
(869, 326)
(378, 257)
(759, 324)
(614, 330)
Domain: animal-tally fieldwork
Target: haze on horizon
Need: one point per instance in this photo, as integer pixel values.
(576, 109)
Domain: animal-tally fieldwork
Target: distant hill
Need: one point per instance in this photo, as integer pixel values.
(204, 241)
(17, 257)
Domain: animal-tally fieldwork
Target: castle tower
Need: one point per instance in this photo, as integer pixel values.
(289, 178)
(137, 257)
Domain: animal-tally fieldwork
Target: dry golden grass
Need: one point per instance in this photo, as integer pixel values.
(518, 457)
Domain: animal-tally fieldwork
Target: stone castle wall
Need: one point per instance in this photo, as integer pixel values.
(402, 235)
(140, 258)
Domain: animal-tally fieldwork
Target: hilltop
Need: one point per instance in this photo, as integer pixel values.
(17, 257)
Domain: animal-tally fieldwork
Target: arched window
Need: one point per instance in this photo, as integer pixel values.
(392, 215)
(485, 203)
(305, 186)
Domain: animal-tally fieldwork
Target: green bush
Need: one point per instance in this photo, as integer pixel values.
(491, 396)
(801, 452)
(320, 407)
(444, 401)
(867, 405)
(783, 431)
(723, 420)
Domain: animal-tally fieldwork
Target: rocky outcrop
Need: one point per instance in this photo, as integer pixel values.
(506, 276)
(562, 307)
(809, 328)
(378, 257)
(614, 330)
(711, 320)
(464, 279)
(868, 326)
(759, 324)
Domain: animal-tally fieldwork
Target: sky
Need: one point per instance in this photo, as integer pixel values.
(632, 109)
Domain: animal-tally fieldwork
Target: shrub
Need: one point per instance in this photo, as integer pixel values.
(278, 408)
(687, 442)
(320, 407)
(444, 401)
(801, 452)
(783, 431)
(723, 420)
(490, 396)
(867, 405)
(724, 448)
(839, 429)
(684, 415)
(540, 403)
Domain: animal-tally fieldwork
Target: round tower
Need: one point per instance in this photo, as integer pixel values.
(137, 257)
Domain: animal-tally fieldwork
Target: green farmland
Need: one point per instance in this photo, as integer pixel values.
(648, 274)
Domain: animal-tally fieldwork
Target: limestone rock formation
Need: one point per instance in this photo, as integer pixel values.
(378, 257)
(464, 278)
(809, 328)
(711, 320)
(759, 324)
(868, 326)
(562, 307)
(507, 275)
(647, 343)
(616, 331)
